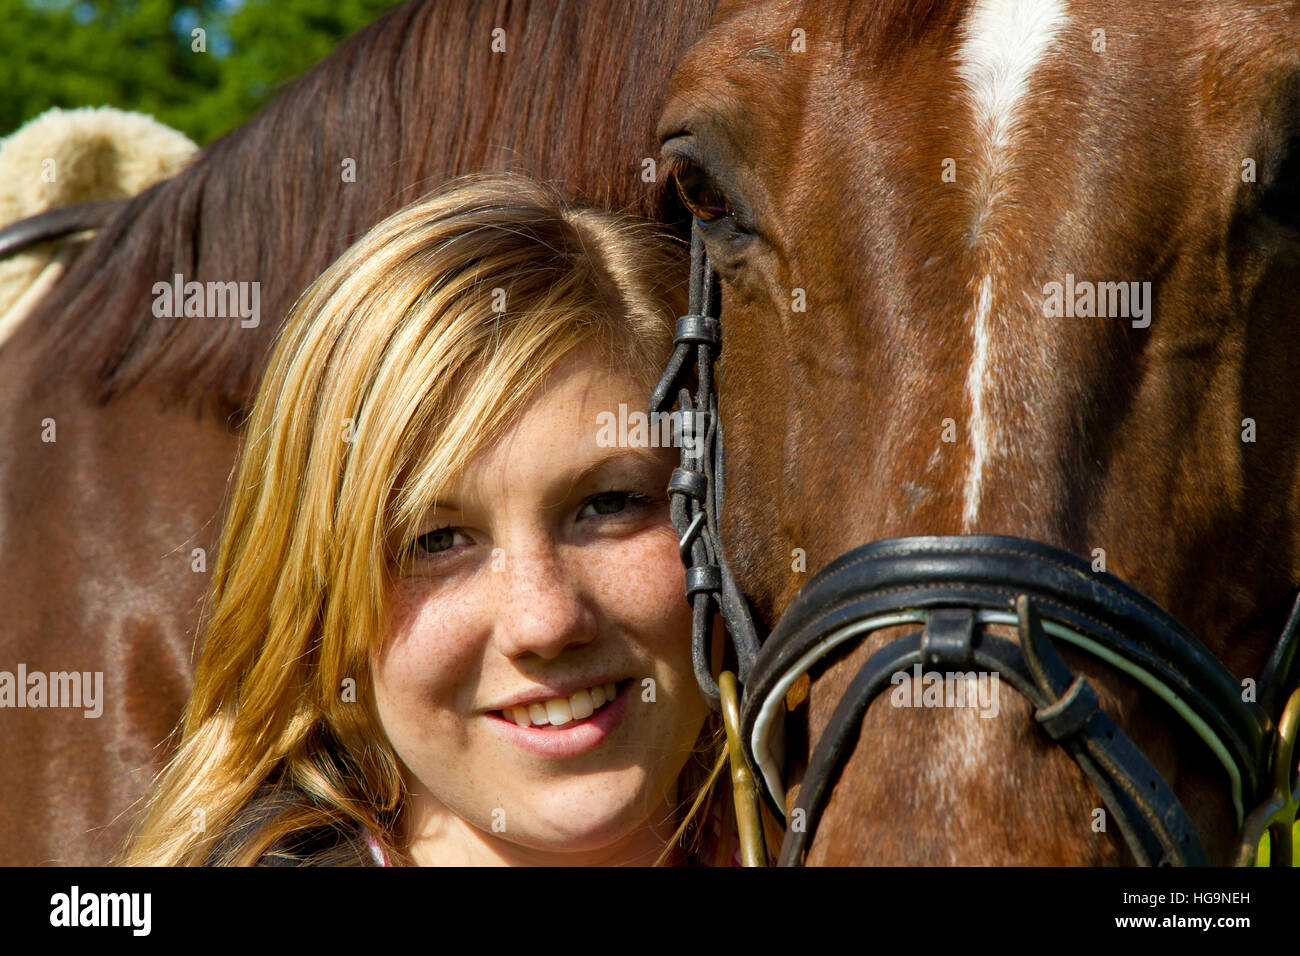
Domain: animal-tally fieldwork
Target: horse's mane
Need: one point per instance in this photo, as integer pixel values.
(416, 98)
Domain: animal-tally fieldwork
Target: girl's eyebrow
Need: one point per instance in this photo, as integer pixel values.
(642, 456)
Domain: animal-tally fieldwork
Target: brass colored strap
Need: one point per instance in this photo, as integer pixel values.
(753, 849)
(1277, 814)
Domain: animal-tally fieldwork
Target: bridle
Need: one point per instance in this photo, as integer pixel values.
(952, 588)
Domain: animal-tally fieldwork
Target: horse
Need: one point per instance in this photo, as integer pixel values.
(121, 414)
(920, 216)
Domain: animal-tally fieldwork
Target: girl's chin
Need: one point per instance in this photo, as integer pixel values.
(582, 824)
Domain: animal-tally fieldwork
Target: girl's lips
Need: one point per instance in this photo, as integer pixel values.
(573, 739)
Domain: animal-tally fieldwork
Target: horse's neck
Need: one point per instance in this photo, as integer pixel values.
(104, 508)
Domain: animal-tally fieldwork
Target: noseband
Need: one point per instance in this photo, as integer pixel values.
(952, 588)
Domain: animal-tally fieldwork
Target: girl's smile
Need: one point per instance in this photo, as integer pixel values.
(542, 728)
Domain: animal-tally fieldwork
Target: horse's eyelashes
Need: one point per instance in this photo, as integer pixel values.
(700, 195)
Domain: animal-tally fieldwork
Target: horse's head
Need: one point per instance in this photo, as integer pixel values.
(1025, 267)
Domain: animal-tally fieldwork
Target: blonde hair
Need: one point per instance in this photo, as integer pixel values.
(396, 366)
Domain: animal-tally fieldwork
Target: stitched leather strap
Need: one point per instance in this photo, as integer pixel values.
(990, 571)
(1148, 814)
(1153, 822)
(950, 580)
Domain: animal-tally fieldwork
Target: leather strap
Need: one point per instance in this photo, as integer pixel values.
(55, 224)
(697, 486)
(990, 571)
(1280, 675)
(1154, 824)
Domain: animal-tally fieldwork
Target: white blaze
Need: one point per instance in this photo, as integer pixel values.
(1005, 41)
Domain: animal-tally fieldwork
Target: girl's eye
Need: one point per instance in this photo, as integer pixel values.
(609, 503)
(433, 542)
(612, 502)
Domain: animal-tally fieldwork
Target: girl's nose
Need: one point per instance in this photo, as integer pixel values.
(542, 608)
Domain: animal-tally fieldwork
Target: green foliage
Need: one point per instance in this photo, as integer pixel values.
(140, 55)
(1264, 845)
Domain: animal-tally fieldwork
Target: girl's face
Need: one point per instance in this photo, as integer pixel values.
(547, 578)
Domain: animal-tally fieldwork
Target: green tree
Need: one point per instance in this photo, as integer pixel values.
(145, 55)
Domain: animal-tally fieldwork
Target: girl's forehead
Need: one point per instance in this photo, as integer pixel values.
(568, 430)
(569, 405)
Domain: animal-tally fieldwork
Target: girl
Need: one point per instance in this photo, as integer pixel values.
(447, 622)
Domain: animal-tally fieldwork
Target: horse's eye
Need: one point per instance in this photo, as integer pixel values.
(701, 197)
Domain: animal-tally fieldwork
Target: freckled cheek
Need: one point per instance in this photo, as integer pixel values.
(643, 585)
(433, 648)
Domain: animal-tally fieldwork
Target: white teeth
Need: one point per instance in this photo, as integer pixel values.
(560, 711)
(581, 705)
